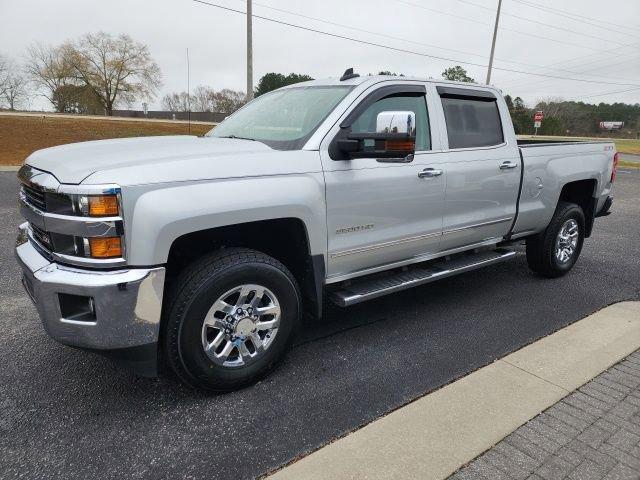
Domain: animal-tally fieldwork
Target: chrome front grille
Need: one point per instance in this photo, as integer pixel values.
(42, 237)
(34, 197)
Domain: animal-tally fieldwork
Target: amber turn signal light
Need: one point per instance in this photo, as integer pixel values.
(400, 145)
(105, 247)
(103, 205)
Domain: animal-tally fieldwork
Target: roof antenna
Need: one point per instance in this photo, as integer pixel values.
(348, 74)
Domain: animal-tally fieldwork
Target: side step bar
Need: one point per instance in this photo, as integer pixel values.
(374, 287)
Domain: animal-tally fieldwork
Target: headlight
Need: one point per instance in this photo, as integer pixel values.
(98, 205)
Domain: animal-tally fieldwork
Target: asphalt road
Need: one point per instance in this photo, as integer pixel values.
(70, 414)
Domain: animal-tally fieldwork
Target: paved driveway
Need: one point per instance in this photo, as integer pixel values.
(67, 413)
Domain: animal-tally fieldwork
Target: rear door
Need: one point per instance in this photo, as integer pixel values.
(379, 211)
(483, 167)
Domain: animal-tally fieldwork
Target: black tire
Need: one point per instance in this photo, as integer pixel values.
(197, 288)
(541, 249)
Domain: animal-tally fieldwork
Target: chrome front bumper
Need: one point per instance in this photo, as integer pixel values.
(126, 303)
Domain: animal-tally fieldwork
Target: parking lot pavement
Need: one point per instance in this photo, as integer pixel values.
(67, 413)
(594, 433)
(435, 435)
(630, 157)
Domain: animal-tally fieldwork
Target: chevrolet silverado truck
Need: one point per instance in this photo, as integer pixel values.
(202, 254)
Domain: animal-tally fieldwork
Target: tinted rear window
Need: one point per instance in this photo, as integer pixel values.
(472, 123)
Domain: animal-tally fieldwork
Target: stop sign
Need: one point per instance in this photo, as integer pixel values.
(538, 116)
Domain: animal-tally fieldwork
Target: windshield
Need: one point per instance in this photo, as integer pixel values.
(284, 119)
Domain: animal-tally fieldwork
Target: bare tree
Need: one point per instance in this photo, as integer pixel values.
(228, 101)
(49, 69)
(117, 69)
(15, 91)
(4, 73)
(552, 106)
(176, 102)
(13, 83)
(203, 99)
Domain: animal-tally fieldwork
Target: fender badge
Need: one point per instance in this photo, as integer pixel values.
(355, 228)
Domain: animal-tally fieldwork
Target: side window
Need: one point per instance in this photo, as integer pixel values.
(472, 123)
(413, 102)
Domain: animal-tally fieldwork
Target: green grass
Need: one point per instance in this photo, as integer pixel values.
(624, 163)
(628, 146)
(623, 145)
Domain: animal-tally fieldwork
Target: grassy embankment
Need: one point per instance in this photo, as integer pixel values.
(22, 135)
(623, 145)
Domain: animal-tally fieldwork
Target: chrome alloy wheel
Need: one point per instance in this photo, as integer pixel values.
(241, 325)
(567, 241)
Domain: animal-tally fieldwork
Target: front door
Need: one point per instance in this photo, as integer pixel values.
(381, 212)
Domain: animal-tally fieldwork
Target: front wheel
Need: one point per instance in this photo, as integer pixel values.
(231, 319)
(555, 251)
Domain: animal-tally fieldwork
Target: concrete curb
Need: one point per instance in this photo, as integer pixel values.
(9, 168)
(435, 435)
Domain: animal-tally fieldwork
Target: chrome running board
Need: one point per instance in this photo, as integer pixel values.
(374, 286)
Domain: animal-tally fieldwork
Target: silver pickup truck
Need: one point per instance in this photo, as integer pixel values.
(202, 254)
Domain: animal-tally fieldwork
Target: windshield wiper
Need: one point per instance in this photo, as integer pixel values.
(239, 138)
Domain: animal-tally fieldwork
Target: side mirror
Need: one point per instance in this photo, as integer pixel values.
(396, 122)
(394, 139)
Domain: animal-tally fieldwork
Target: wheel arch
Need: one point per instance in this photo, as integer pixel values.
(582, 193)
(285, 239)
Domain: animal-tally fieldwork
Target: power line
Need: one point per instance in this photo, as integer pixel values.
(596, 22)
(600, 52)
(601, 64)
(402, 50)
(563, 29)
(611, 93)
(441, 12)
(518, 32)
(371, 32)
(350, 27)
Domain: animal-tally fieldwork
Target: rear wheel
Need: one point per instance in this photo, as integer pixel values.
(555, 251)
(231, 319)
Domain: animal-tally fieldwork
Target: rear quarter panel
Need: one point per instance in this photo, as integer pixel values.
(547, 168)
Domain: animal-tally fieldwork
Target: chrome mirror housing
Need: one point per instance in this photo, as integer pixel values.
(396, 122)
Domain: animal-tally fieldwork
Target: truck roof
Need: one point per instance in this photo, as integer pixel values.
(372, 79)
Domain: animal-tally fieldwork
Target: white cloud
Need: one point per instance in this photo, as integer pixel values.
(216, 39)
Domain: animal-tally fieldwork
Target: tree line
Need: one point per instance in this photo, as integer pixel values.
(91, 74)
(562, 117)
(205, 99)
(571, 118)
(98, 71)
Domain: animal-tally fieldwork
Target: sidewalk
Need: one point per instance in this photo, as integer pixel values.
(565, 406)
(594, 433)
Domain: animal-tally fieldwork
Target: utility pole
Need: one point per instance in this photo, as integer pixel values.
(249, 50)
(493, 43)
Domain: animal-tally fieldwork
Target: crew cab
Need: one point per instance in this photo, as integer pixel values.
(202, 254)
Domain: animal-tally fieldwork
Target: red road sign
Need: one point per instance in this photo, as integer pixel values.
(538, 116)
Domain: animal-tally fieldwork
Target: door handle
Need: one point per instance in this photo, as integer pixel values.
(508, 165)
(430, 173)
